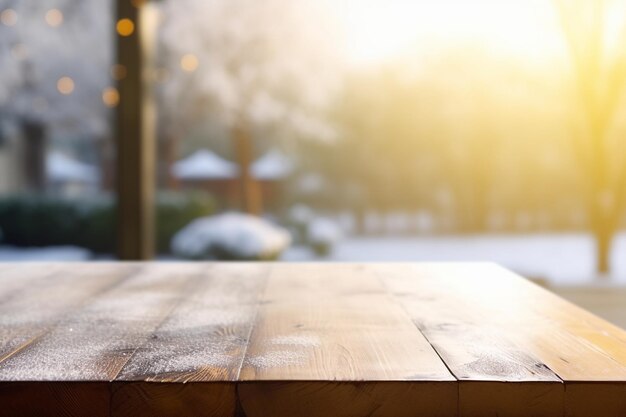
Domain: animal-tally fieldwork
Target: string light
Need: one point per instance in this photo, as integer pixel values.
(125, 27)
(110, 96)
(65, 85)
(8, 17)
(54, 17)
(189, 62)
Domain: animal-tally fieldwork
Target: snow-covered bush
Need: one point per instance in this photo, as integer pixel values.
(322, 235)
(301, 214)
(299, 217)
(231, 236)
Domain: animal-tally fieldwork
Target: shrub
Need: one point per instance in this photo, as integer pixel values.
(322, 235)
(43, 220)
(231, 236)
(175, 210)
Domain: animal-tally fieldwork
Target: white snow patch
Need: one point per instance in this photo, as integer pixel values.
(301, 214)
(243, 236)
(62, 168)
(50, 253)
(295, 340)
(277, 359)
(323, 231)
(272, 166)
(204, 164)
(561, 259)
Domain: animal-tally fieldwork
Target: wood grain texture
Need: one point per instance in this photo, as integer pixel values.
(505, 329)
(336, 323)
(197, 399)
(347, 398)
(15, 277)
(592, 399)
(34, 297)
(483, 398)
(245, 339)
(481, 352)
(204, 339)
(57, 399)
(93, 343)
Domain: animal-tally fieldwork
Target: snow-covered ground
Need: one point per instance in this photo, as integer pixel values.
(561, 259)
(52, 253)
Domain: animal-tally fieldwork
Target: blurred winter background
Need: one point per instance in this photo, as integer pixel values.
(347, 130)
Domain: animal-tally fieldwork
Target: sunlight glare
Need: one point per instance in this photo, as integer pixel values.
(376, 30)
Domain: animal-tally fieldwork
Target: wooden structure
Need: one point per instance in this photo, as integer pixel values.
(134, 133)
(251, 339)
(207, 171)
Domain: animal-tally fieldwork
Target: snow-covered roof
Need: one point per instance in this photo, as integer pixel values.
(274, 165)
(63, 168)
(204, 164)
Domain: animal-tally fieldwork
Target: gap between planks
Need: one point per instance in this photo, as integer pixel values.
(468, 385)
(268, 274)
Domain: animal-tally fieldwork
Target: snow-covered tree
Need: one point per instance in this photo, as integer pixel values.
(55, 58)
(595, 33)
(250, 64)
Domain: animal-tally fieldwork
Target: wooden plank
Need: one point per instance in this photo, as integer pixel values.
(17, 277)
(347, 398)
(592, 399)
(35, 297)
(488, 323)
(197, 399)
(6, 266)
(329, 336)
(608, 302)
(309, 340)
(203, 340)
(69, 399)
(497, 375)
(586, 352)
(94, 343)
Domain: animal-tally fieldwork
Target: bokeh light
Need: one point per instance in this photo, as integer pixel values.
(8, 17)
(54, 17)
(189, 62)
(125, 27)
(65, 85)
(110, 96)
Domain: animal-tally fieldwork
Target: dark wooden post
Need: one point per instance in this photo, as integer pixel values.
(251, 198)
(34, 154)
(134, 136)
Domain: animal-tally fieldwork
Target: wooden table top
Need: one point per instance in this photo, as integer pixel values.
(262, 339)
